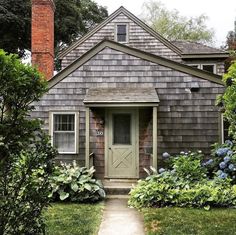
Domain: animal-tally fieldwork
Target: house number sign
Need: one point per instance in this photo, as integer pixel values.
(100, 132)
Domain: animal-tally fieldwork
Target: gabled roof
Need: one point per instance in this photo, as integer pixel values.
(137, 53)
(109, 19)
(194, 49)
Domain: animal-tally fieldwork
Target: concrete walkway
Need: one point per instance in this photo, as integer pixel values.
(118, 219)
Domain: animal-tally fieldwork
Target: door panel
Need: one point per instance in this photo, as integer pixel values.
(122, 161)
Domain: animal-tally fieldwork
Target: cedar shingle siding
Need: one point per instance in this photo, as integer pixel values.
(186, 121)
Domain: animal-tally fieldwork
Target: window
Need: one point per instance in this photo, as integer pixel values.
(63, 132)
(122, 129)
(206, 67)
(122, 33)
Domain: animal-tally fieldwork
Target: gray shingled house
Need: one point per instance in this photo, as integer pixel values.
(125, 95)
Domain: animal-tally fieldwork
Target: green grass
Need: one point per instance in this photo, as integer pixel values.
(186, 221)
(73, 218)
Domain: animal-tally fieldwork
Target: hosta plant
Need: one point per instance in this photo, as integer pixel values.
(71, 182)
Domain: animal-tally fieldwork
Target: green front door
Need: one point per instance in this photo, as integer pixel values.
(122, 160)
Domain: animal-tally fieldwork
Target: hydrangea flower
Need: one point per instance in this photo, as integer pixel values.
(219, 172)
(227, 159)
(223, 175)
(161, 170)
(222, 151)
(222, 165)
(165, 155)
(231, 167)
(230, 153)
(229, 142)
(182, 152)
(209, 162)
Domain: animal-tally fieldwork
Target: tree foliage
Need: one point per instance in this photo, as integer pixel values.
(25, 153)
(171, 25)
(73, 18)
(228, 100)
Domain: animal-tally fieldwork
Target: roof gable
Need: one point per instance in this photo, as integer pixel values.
(128, 14)
(137, 53)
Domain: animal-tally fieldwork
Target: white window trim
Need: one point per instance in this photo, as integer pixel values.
(51, 113)
(127, 32)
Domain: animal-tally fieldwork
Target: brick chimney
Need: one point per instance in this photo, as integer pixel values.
(42, 36)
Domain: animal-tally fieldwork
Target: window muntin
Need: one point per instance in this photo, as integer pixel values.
(64, 132)
(122, 33)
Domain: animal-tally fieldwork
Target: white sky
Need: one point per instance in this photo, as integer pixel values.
(221, 13)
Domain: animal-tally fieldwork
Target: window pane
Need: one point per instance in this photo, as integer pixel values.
(121, 33)
(64, 122)
(64, 142)
(122, 129)
(121, 29)
(209, 68)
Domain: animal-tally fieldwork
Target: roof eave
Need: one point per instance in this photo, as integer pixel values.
(205, 56)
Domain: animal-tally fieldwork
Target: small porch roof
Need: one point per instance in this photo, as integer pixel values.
(121, 97)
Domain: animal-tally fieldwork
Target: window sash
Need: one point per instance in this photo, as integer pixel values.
(64, 131)
(122, 33)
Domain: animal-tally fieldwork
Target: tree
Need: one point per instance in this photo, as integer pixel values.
(173, 26)
(227, 101)
(25, 152)
(230, 46)
(73, 18)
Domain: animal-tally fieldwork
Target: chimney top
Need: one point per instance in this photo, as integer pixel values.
(42, 36)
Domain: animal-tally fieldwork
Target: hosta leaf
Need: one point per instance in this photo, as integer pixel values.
(88, 187)
(74, 186)
(63, 195)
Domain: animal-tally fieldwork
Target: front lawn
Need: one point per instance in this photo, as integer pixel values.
(73, 218)
(187, 221)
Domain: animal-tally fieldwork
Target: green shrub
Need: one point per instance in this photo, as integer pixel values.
(185, 184)
(76, 184)
(25, 152)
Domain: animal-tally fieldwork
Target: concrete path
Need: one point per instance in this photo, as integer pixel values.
(118, 219)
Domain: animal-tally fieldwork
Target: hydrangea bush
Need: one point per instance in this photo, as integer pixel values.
(190, 181)
(222, 162)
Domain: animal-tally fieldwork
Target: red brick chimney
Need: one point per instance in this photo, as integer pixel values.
(42, 36)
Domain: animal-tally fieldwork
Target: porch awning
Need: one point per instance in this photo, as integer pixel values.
(120, 97)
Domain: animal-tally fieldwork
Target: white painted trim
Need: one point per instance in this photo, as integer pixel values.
(51, 113)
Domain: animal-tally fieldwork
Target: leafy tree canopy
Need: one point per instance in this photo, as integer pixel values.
(73, 18)
(171, 25)
(25, 152)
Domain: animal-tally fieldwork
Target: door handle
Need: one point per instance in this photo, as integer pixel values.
(109, 148)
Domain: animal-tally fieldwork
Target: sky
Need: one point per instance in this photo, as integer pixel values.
(222, 14)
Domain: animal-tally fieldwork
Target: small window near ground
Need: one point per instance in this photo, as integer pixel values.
(122, 33)
(64, 132)
(208, 68)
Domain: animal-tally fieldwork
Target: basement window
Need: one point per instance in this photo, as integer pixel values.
(64, 132)
(122, 33)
